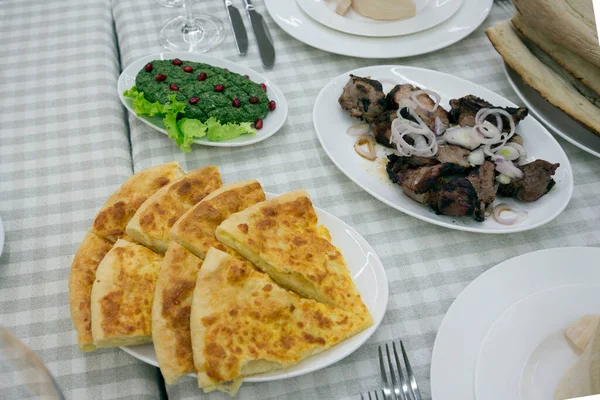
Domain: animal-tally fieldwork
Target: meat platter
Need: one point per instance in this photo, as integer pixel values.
(443, 149)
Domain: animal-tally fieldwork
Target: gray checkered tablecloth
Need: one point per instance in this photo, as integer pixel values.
(64, 148)
(427, 266)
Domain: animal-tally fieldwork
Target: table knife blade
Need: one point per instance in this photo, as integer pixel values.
(238, 28)
(262, 35)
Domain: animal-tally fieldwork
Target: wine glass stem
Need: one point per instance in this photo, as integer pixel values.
(191, 30)
(189, 13)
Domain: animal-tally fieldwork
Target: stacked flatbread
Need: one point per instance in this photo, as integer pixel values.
(553, 45)
(224, 282)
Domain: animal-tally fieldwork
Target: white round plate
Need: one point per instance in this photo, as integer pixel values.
(371, 281)
(288, 15)
(331, 123)
(429, 14)
(272, 122)
(554, 118)
(502, 338)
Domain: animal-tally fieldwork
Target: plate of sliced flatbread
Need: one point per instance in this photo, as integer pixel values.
(172, 251)
(355, 264)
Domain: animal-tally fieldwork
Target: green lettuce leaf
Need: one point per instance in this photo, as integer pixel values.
(191, 129)
(218, 132)
(186, 130)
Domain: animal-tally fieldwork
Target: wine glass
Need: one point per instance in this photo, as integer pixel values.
(28, 377)
(171, 3)
(193, 33)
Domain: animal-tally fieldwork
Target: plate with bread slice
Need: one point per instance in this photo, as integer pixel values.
(552, 57)
(223, 282)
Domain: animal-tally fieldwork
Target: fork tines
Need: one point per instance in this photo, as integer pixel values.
(374, 395)
(397, 385)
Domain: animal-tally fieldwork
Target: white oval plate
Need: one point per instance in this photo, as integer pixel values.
(493, 308)
(272, 122)
(371, 281)
(429, 14)
(331, 123)
(553, 117)
(288, 15)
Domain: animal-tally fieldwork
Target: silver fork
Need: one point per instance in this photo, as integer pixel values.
(398, 387)
(374, 396)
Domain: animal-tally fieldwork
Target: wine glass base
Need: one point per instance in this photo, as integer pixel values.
(171, 3)
(209, 34)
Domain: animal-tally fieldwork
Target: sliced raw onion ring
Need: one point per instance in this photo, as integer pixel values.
(414, 96)
(425, 141)
(507, 168)
(359, 129)
(365, 141)
(515, 215)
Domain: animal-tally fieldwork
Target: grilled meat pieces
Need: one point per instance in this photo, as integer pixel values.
(363, 98)
(482, 180)
(537, 181)
(457, 198)
(449, 153)
(382, 128)
(400, 92)
(463, 111)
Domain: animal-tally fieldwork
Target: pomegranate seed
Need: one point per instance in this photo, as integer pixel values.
(246, 76)
(173, 86)
(148, 67)
(202, 76)
(219, 88)
(272, 105)
(161, 77)
(258, 124)
(254, 100)
(236, 103)
(263, 87)
(194, 100)
(187, 69)
(177, 62)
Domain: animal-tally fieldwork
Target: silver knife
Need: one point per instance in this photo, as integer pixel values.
(238, 28)
(262, 35)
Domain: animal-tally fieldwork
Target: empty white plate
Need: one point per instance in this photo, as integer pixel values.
(331, 123)
(429, 14)
(554, 118)
(503, 338)
(272, 122)
(370, 279)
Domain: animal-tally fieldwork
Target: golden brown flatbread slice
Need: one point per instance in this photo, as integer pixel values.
(281, 237)
(122, 295)
(171, 312)
(83, 273)
(151, 223)
(243, 324)
(112, 219)
(196, 228)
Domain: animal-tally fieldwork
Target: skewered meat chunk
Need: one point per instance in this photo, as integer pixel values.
(449, 153)
(464, 110)
(363, 98)
(457, 198)
(536, 182)
(382, 128)
(482, 179)
(400, 92)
